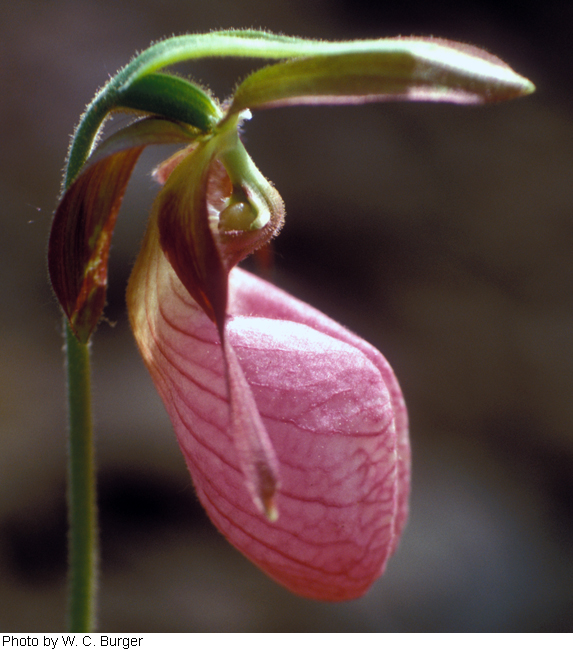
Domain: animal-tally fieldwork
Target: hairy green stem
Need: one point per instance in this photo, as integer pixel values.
(82, 508)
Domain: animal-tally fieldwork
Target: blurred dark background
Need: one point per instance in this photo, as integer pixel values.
(442, 234)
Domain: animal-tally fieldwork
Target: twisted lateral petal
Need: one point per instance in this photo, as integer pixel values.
(84, 221)
(330, 406)
(190, 209)
(201, 256)
(186, 237)
(148, 294)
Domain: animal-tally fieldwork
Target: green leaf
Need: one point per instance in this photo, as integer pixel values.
(171, 97)
(389, 69)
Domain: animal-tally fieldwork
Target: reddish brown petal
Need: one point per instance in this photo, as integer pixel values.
(188, 212)
(81, 237)
(159, 309)
(186, 236)
(198, 241)
(254, 448)
(85, 218)
(163, 170)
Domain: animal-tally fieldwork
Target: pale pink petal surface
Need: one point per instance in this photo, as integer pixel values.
(331, 407)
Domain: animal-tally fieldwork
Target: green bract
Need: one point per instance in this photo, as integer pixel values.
(176, 98)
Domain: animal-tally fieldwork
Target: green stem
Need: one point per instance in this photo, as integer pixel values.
(82, 509)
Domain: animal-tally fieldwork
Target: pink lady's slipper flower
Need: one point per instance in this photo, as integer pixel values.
(291, 415)
(294, 429)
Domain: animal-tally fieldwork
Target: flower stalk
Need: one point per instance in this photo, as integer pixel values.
(82, 507)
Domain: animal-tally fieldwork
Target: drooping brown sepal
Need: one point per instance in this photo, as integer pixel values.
(81, 236)
(83, 224)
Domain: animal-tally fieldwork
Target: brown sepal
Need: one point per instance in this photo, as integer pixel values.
(81, 236)
(85, 218)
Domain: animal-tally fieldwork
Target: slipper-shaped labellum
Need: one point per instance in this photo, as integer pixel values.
(328, 401)
(294, 429)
